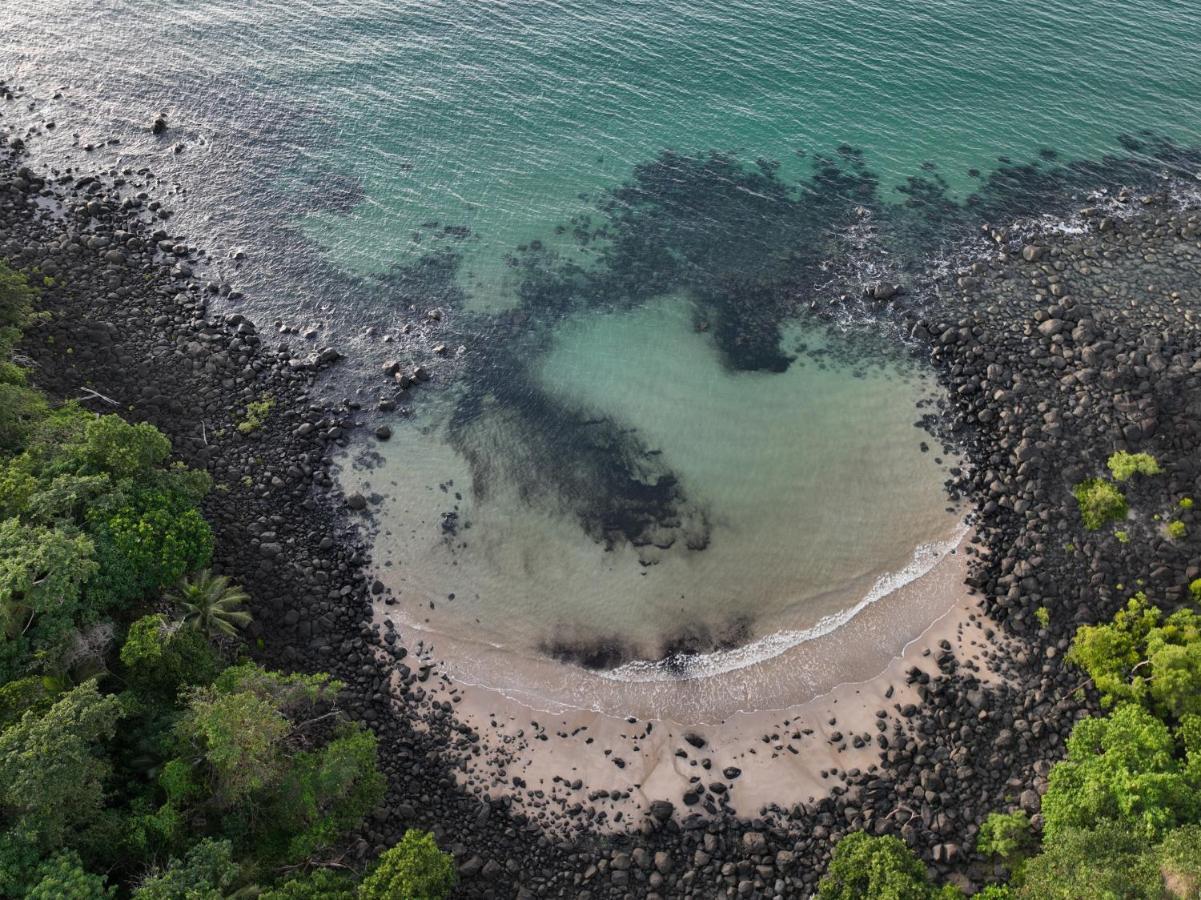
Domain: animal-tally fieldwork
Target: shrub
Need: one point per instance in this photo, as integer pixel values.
(414, 869)
(1194, 589)
(1186, 503)
(879, 867)
(1176, 529)
(320, 884)
(1122, 536)
(1043, 615)
(1007, 836)
(1125, 465)
(256, 414)
(51, 778)
(1100, 502)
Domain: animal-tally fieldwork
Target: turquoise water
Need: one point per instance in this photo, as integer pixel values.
(501, 116)
(663, 418)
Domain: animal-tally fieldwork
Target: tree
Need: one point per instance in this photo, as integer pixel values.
(63, 877)
(1109, 862)
(320, 884)
(239, 738)
(208, 872)
(110, 444)
(324, 793)
(160, 657)
(271, 761)
(51, 775)
(1122, 769)
(414, 869)
(146, 539)
(1144, 658)
(212, 604)
(42, 576)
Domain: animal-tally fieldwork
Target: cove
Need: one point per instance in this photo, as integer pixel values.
(795, 494)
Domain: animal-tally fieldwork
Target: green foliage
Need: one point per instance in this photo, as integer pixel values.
(1007, 836)
(1122, 536)
(323, 794)
(1123, 769)
(145, 539)
(256, 414)
(1180, 861)
(16, 306)
(208, 872)
(1105, 863)
(112, 446)
(1043, 615)
(417, 870)
(1125, 465)
(42, 574)
(1100, 502)
(1144, 658)
(92, 521)
(24, 694)
(250, 758)
(1186, 503)
(211, 604)
(320, 884)
(62, 877)
(160, 657)
(51, 772)
(239, 736)
(1176, 529)
(1194, 589)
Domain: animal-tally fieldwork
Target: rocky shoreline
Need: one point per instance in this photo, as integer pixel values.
(1056, 349)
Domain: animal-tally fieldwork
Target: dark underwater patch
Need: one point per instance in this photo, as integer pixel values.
(753, 251)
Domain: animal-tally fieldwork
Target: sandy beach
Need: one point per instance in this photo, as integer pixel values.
(777, 732)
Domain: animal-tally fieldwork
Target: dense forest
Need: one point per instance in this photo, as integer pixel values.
(142, 753)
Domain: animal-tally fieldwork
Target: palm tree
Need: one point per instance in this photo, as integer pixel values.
(211, 604)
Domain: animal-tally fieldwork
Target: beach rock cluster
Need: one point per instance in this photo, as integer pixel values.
(1055, 350)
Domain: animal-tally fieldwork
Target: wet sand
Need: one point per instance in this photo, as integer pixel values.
(788, 724)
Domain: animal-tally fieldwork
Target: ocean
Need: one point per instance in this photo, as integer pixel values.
(630, 243)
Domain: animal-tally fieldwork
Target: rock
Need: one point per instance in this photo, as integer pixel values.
(662, 810)
(383, 432)
(663, 862)
(1032, 253)
(1029, 801)
(356, 501)
(754, 842)
(159, 126)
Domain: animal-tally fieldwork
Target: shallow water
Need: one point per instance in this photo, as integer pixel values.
(667, 422)
(797, 491)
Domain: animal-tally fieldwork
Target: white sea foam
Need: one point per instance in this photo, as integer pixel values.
(720, 662)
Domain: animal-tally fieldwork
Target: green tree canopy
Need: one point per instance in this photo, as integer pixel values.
(1109, 862)
(414, 869)
(207, 872)
(1122, 768)
(880, 867)
(51, 771)
(1143, 657)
